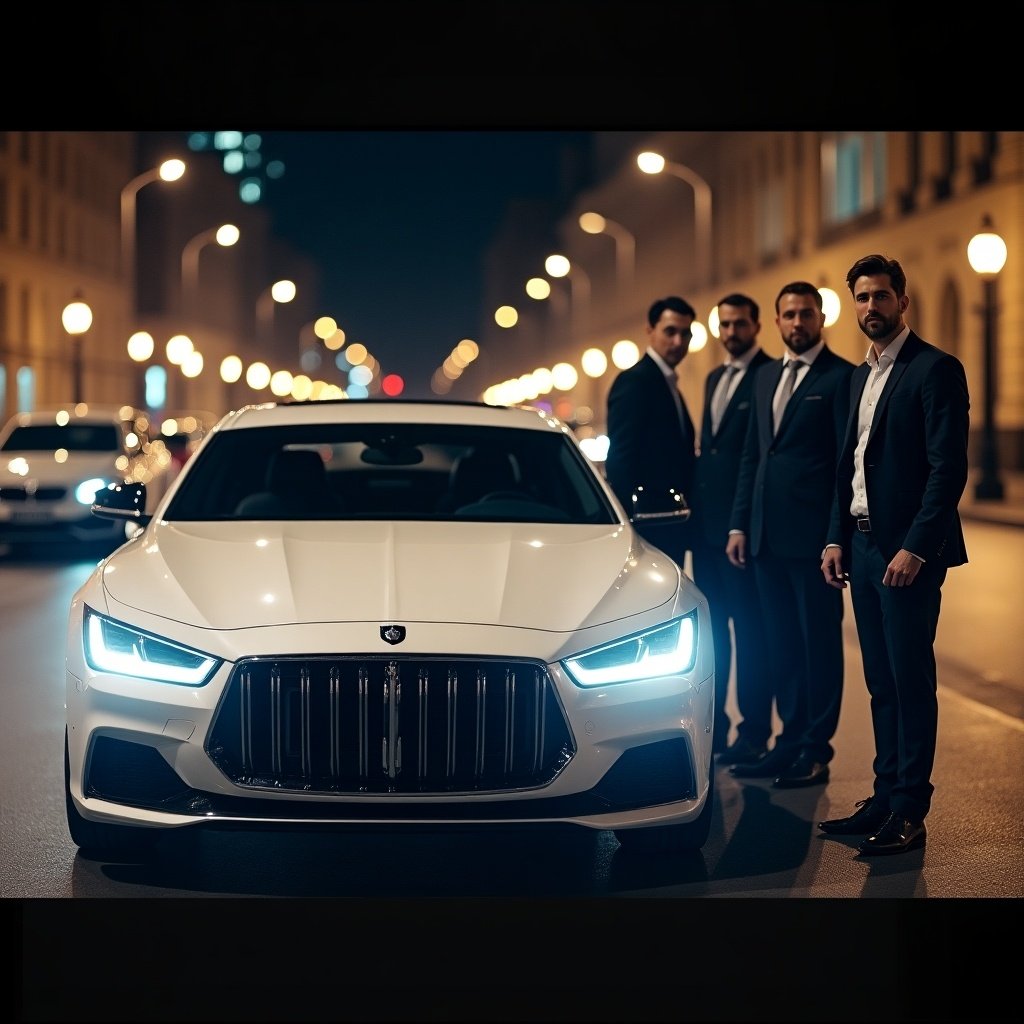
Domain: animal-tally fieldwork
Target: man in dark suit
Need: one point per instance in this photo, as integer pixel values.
(731, 592)
(650, 432)
(895, 527)
(780, 517)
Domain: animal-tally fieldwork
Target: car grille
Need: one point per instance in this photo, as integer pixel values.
(386, 725)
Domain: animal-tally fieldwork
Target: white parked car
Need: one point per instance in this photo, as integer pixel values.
(387, 613)
(52, 462)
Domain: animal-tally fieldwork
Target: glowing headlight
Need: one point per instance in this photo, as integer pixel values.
(665, 651)
(114, 647)
(85, 492)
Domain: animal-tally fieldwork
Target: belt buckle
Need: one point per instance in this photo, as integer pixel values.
(864, 524)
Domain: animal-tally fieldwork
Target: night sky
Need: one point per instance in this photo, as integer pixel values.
(398, 221)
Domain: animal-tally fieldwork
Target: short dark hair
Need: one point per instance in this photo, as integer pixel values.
(739, 299)
(878, 264)
(799, 288)
(673, 302)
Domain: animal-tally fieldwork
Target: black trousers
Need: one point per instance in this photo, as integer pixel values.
(804, 625)
(896, 630)
(733, 597)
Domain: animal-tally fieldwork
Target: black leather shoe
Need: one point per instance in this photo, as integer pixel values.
(896, 835)
(765, 767)
(868, 818)
(742, 752)
(802, 772)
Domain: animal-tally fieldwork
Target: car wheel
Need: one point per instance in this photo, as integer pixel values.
(671, 838)
(99, 841)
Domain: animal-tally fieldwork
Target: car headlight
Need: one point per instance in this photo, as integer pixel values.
(85, 492)
(112, 646)
(665, 651)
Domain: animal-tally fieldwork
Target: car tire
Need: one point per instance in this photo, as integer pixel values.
(672, 838)
(96, 840)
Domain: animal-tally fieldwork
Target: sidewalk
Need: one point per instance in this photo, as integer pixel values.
(1008, 512)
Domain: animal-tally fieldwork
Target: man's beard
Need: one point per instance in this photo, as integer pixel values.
(877, 326)
(800, 343)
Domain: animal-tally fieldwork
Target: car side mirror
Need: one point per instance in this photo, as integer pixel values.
(126, 501)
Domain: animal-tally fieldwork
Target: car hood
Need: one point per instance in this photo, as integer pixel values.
(245, 574)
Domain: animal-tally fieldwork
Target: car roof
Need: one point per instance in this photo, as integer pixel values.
(391, 410)
(81, 413)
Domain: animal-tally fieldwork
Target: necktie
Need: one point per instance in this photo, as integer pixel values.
(720, 399)
(788, 383)
(676, 396)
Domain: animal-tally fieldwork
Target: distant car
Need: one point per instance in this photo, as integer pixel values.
(52, 462)
(182, 430)
(387, 613)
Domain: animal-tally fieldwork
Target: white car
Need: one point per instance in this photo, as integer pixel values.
(52, 462)
(387, 613)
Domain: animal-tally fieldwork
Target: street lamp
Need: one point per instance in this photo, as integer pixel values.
(625, 244)
(655, 163)
(226, 235)
(279, 291)
(986, 253)
(77, 319)
(169, 170)
(579, 287)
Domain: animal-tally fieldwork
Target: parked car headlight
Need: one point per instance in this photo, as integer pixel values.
(112, 646)
(665, 651)
(85, 492)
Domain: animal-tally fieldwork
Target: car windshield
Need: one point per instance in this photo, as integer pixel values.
(74, 437)
(391, 471)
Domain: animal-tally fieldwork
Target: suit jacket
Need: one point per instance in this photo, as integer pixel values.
(915, 463)
(647, 443)
(786, 485)
(718, 461)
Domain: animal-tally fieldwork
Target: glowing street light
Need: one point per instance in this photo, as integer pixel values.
(77, 319)
(655, 163)
(557, 265)
(279, 291)
(169, 170)
(986, 252)
(225, 235)
(625, 244)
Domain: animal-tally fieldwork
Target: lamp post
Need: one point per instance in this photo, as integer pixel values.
(169, 170)
(625, 244)
(986, 252)
(655, 163)
(225, 235)
(279, 291)
(579, 288)
(77, 319)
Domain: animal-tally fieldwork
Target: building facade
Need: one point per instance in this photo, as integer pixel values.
(751, 211)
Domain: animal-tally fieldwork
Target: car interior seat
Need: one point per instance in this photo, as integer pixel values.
(476, 473)
(296, 487)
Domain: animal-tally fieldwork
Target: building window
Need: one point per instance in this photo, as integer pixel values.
(26, 383)
(853, 174)
(156, 387)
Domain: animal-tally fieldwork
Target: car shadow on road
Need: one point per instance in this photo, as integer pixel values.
(532, 862)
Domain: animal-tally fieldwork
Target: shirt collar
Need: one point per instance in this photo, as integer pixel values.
(890, 352)
(667, 370)
(807, 357)
(743, 361)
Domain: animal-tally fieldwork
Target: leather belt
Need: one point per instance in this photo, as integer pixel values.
(864, 524)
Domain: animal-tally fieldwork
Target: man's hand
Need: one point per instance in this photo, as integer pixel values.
(832, 568)
(736, 550)
(902, 570)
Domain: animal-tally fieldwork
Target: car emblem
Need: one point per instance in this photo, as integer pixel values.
(392, 634)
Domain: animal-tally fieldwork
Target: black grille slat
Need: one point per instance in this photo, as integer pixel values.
(340, 725)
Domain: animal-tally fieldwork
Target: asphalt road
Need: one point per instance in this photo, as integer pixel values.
(564, 895)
